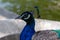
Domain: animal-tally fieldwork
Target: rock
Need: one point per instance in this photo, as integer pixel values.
(42, 24)
(11, 26)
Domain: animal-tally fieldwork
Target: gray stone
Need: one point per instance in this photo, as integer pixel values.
(11, 27)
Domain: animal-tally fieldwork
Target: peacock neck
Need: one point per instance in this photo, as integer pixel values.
(28, 31)
(31, 24)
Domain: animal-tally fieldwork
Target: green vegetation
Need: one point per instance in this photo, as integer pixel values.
(49, 9)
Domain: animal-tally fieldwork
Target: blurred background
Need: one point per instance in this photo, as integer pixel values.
(49, 9)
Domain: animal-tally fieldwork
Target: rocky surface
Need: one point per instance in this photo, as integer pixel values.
(11, 26)
(42, 24)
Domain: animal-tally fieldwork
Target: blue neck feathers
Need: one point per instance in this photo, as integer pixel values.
(28, 31)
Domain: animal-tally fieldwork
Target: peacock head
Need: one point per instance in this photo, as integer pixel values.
(26, 16)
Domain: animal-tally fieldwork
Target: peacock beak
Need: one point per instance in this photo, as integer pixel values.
(19, 17)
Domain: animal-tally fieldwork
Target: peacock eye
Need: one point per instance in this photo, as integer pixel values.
(27, 16)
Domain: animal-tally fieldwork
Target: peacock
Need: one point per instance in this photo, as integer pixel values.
(28, 32)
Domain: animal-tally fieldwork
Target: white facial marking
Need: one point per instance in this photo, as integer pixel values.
(27, 17)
